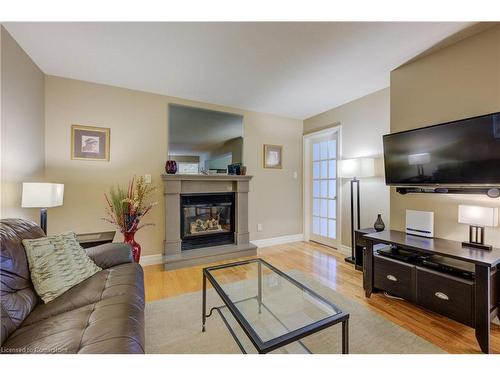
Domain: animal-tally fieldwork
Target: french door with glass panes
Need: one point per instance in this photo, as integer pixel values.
(323, 190)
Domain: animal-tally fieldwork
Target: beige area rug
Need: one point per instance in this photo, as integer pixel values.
(173, 326)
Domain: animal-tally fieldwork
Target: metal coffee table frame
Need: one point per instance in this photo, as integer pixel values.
(280, 341)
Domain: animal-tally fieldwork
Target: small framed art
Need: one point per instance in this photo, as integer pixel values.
(89, 143)
(273, 156)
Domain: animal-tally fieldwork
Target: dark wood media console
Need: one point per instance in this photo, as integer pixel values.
(471, 301)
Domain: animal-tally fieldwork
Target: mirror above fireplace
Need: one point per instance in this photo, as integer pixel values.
(201, 139)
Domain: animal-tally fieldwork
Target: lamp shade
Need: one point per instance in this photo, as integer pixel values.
(42, 194)
(361, 167)
(477, 215)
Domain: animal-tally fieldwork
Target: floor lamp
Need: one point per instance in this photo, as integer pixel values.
(355, 169)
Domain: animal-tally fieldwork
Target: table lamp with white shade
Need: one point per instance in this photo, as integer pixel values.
(42, 195)
(356, 169)
(477, 217)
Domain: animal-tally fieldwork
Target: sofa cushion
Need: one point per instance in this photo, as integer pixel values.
(124, 282)
(106, 326)
(103, 314)
(17, 295)
(57, 263)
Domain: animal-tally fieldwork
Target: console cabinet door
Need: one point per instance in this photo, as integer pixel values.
(446, 295)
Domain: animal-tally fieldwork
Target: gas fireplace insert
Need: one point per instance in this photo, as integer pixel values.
(207, 220)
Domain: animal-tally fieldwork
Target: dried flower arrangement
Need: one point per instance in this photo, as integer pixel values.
(125, 209)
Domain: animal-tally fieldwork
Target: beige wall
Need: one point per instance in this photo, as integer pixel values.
(363, 123)
(22, 126)
(138, 123)
(459, 81)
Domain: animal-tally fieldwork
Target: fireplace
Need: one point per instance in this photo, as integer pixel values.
(207, 220)
(205, 197)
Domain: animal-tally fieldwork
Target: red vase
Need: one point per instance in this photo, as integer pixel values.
(171, 167)
(136, 248)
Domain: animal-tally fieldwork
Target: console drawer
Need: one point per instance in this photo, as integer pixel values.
(395, 277)
(447, 295)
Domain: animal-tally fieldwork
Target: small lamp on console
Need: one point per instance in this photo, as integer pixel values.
(42, 195)
(477, 217)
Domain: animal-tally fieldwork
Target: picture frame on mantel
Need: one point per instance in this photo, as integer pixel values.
(273, 156)
(89, 143)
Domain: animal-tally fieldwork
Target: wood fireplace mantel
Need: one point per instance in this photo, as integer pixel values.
(177, 184)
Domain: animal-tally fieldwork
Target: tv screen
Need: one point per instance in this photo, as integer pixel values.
(464, 152)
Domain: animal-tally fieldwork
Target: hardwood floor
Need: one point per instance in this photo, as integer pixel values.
(327, 266)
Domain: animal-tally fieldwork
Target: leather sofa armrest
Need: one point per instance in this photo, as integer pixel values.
(110, 254)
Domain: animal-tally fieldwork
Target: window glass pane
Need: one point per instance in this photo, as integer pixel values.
(316, 207)
(315, 188)
(316, 225)
(324, 208)
(332, 169)
(316, 170)
(324, 189)
(324, 150)
(324, 169)
(332, 189)
(332, 209)
(323, 227)
(332, 149)
(315, 151)
(332, 230)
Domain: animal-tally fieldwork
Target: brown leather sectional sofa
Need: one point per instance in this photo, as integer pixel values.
(103, 314)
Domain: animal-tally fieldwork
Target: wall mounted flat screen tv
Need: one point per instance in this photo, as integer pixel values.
(464, 152)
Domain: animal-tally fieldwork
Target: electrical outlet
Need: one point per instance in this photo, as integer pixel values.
(259, 227)
(147, 178)
(295, 175)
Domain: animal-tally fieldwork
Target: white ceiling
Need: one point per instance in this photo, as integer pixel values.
(291, 69)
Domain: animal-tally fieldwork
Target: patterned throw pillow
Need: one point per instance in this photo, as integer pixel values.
(57, 263)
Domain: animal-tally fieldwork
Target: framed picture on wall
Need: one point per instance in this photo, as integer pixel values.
(273, 156)
(89, 143)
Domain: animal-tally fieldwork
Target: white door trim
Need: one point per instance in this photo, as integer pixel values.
(306, 167)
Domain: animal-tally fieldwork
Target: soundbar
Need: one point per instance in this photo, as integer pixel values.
(490, 192)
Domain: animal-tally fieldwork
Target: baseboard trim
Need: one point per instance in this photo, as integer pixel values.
(344, 249)
(278, 240)
(148, 260)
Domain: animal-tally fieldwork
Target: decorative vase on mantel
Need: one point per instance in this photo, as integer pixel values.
(171, 167)
(128, 237)
(379, 224)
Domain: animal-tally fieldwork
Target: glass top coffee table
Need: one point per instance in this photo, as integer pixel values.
(265, 309)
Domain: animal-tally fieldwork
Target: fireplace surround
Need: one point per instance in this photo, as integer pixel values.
(206, 219)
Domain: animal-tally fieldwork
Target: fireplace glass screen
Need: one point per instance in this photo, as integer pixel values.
(207, 220)
(200, 219)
